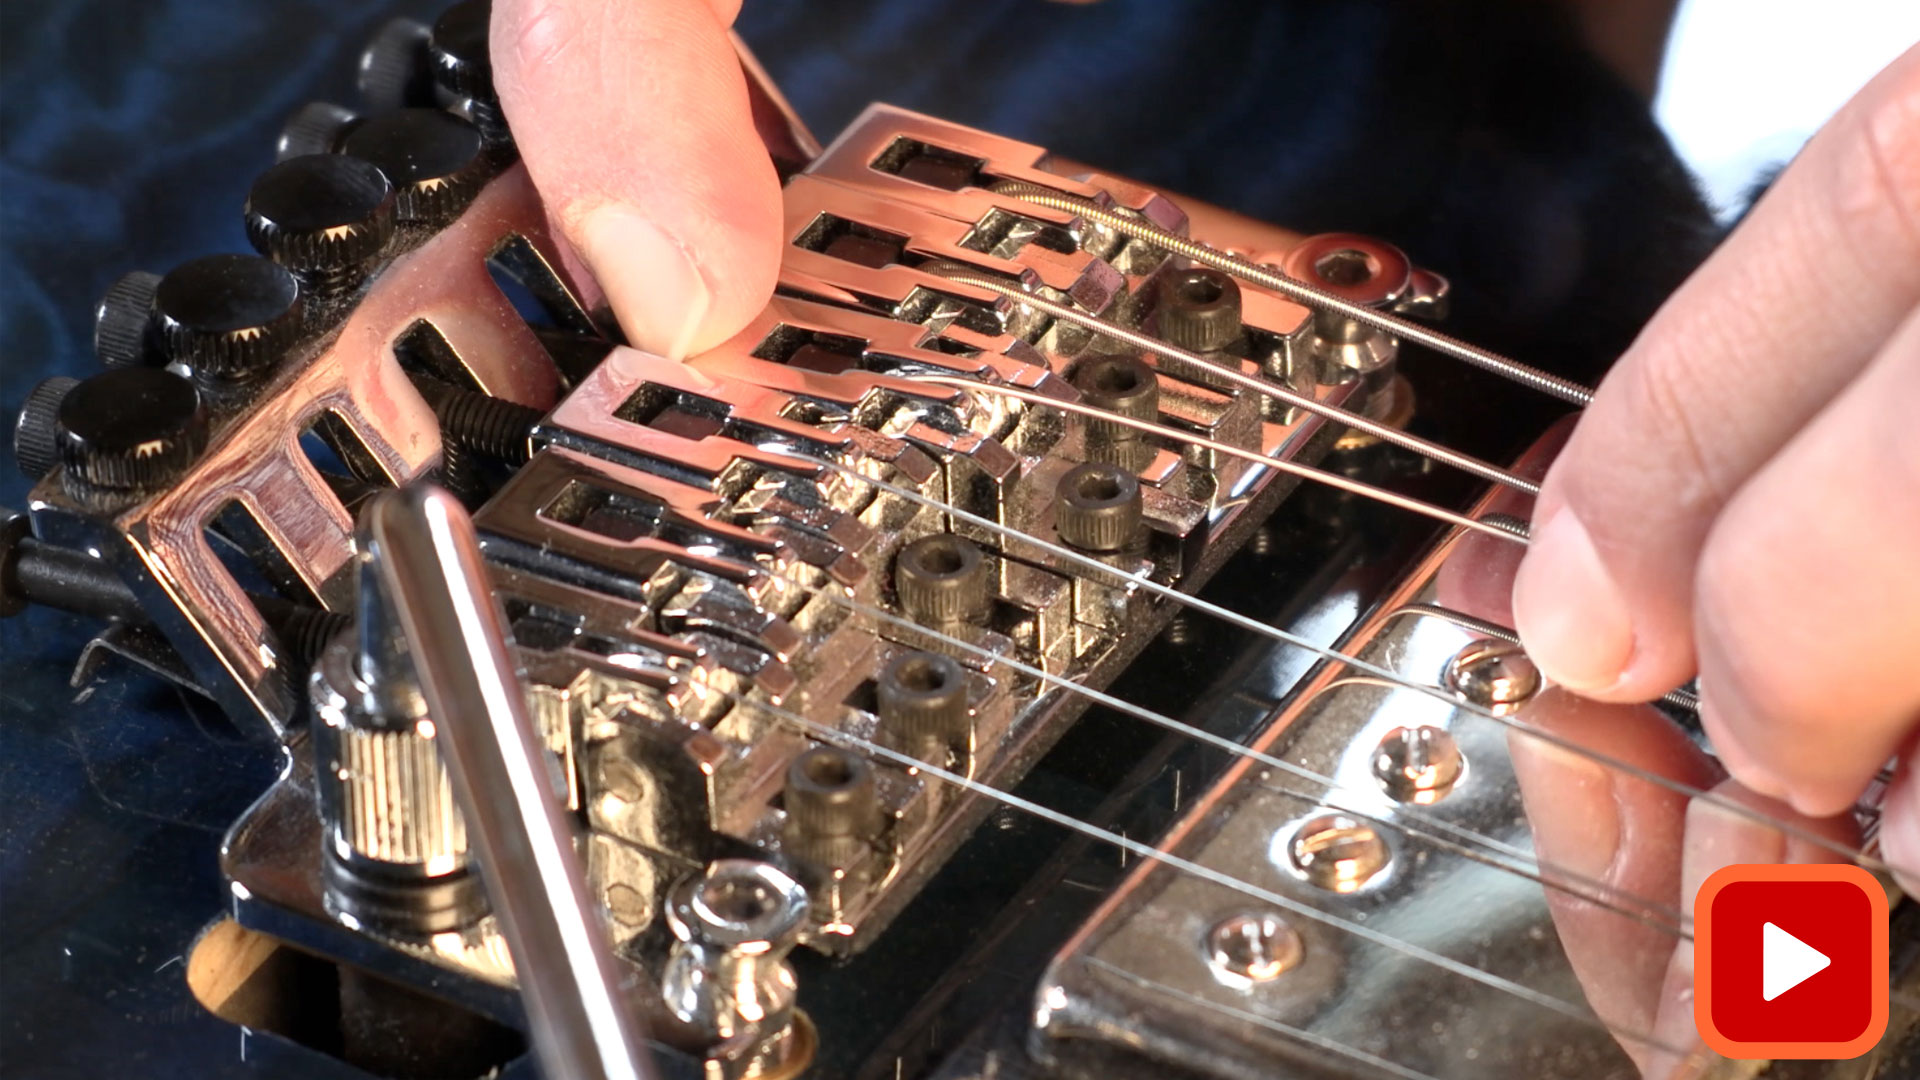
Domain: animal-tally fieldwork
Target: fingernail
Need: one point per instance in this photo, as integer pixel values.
(651, 280)
(1568, 610)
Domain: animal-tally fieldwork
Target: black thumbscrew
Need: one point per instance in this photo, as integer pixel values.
(830, 794)
(318, 127)
(129, 430)
(1200, 310)
(322, 216)
(1097, 507)
(227, 317)
(36, 434)
(923, 702)
(435, 161)
(1121, 384)
(463, 66)
(396, 71)
(941, 579)
(123, 320)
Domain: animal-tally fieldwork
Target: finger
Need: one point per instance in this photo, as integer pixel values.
(1608, 842)
(1477, 577)
(633, 119)
(1808, 603)
(1745, 353)
(1900, 822)
(1716, 837)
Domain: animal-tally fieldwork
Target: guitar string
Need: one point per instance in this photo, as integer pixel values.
(1278, 634)
(1280, 1027)
(1468, 843)
(1424, 447)
(1299, 291)
(1504, 530)
(847, 740)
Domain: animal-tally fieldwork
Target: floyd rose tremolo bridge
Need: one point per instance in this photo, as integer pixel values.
(789, 620)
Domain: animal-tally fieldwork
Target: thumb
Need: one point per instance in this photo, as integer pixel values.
(633, 119)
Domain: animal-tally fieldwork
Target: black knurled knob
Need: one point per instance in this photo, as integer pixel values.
(1200, 309)
(942, 578)
(130, 429)
(458, 45)
(123, 320)
(36, 434)
(227, 316)
(318, 127)
(323, 216)
(435, 161)
(396, 70)
(1097, 507)
(830, 792)
(1118, 383)
(923, 699)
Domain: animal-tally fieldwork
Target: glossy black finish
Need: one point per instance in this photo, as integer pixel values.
(396, 70)
(227, 316)
(123, 320)
(130, 429)
(323, 216)
(435, 161)
(461, 62)
(318, 127)
(36, 433)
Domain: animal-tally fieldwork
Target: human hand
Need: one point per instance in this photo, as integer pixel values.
(632, 118)
(1742, 498)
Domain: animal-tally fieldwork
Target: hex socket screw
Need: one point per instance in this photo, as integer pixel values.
(942, 578)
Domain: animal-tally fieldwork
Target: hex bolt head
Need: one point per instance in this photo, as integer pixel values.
(923, 701)
(318, 127)
(227, 316)
(1337, 852)
(1119, 383)
(36, 434)
(1199, 309)
(435, 161)
(123, 320)
(1418, 764)
(830, 793)
(130, 430)
(322, 216)
(1253, 947)
(1097, 507)
(396, 69)
(1495, 675)
(942, 579)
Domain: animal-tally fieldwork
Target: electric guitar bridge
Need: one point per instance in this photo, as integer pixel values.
(1057, 637)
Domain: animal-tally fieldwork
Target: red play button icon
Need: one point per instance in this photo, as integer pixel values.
(1790, 961)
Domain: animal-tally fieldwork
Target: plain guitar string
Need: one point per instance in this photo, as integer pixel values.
(964, 275)
(1275, 633)
(1305, 472)
(1298, 291)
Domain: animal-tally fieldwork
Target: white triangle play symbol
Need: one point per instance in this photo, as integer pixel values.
(1786, 961)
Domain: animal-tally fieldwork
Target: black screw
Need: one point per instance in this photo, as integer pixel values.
(129, 430)
(1119, 383)
(1200, 309)
(318, 127)
(36, 434)
(322, 216)
(435, 161)
(227, 317)
(123, 320)
(923, 702)
(488, 425)
(830, 793)
(463, 66)
(1097, 507)
(942, 579)
(395, 69)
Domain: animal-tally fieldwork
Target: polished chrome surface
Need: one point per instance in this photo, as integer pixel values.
(433, 587)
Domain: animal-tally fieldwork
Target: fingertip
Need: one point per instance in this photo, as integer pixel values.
(1570, 613)
(658, 293)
